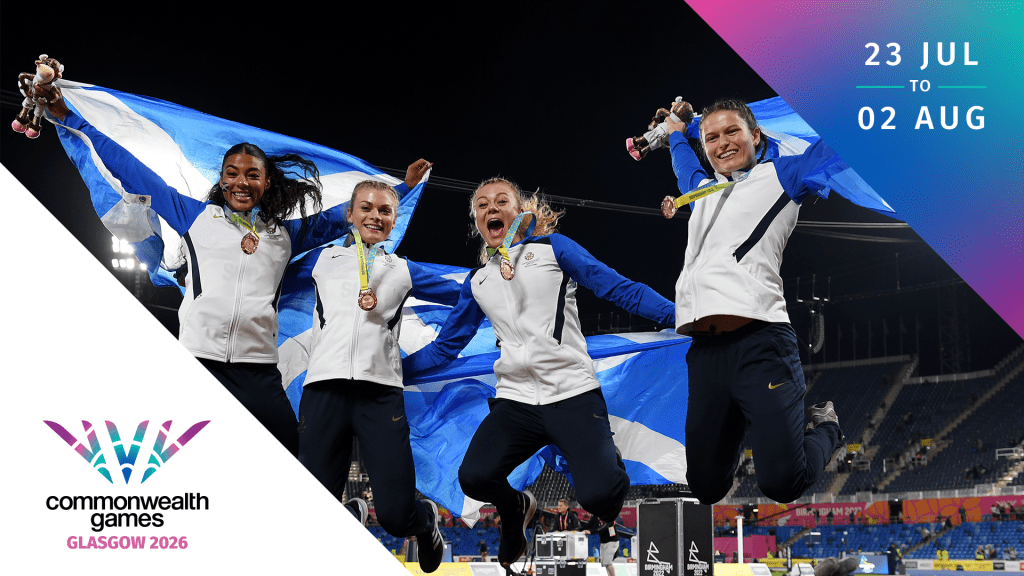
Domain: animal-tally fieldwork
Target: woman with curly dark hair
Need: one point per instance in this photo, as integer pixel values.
(237, 245)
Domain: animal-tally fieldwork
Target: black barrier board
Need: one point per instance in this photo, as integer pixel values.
(658, 528)
(698, 539)
(675, 538)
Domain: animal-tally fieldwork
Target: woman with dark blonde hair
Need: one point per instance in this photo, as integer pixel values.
(353, 387)
(237, 243)
(547, 391)
(745, 376)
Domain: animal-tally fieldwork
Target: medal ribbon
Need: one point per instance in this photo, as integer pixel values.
(699, 193)
(365, 262)
(250, 226)
(694, 195)
(503, 249)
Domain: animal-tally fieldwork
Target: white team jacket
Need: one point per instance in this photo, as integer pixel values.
(229, 312)
(736, 236)
(351, 343)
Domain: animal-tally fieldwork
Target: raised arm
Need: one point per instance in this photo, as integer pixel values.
(331, 224)
(633, 297)
(458, 330)
(177, 209)
(689, 173)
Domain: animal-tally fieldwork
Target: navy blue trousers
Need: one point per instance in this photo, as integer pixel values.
(331, 413)
(750, 383)
(258, 387)
(514, 431)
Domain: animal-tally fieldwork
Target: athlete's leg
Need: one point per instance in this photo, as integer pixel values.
(579, 428)
(788, 459)
(511, 433)
(258, 387)
(325, 433)
(380, 424)
(714, 423)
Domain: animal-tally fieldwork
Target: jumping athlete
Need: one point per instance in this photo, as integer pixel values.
(353, 387)
(547, 392)
(744, 363)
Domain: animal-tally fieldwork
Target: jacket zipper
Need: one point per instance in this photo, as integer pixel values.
(232, 329)
(355, 328)
(513, 314)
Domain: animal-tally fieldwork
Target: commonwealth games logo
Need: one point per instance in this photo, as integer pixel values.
(126, 452)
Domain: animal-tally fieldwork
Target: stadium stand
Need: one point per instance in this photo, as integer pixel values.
(969, 418)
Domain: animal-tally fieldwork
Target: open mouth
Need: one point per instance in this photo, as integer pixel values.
(495, 227)
(728, 154)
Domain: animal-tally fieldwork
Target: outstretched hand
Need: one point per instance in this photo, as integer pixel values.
(415, 172)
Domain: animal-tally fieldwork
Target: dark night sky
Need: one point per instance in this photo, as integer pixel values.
(544, 95)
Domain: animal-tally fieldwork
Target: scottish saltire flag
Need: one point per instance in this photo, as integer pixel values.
(643, 377)
(185, 148)
(788, 134)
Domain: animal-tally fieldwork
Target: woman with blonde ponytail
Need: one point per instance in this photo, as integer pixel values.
(547, 392)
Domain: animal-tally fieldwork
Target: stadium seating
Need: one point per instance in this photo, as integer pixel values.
(922, 409)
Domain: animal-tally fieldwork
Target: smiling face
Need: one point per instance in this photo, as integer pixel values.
(728, 141)
(373, 212)
(563, 507)
(243, 180)
(495, 207)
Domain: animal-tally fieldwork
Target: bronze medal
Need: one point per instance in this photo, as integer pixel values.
(367, 299)
(507, 271)
(249, 243)
(668, 207)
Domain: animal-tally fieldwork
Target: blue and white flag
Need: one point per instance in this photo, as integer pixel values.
(185, 148)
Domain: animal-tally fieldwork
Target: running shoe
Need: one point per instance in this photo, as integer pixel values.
(513, 529)
(359, 509)
(431, 543)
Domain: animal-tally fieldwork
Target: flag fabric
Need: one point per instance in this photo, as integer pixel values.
(643, 376)
(185, 148)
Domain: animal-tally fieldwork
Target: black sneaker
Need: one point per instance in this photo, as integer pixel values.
(359, 509)
(431, 543)
(513, 529)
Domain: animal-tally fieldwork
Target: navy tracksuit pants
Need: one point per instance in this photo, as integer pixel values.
(750, 382)
(514, 431)
(331, 413)
(258, 387)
